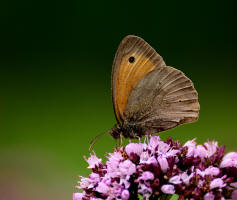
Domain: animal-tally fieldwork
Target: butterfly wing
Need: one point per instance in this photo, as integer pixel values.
(163, 99)
(133, 60)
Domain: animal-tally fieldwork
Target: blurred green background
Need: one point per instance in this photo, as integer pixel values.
(55, 92)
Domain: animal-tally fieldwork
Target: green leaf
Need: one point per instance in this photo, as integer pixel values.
(163, 197)
(174, 197)
(140, 197)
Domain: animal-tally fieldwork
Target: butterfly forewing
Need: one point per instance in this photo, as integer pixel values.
(133, 60)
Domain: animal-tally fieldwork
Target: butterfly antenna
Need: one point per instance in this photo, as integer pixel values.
(95, 139)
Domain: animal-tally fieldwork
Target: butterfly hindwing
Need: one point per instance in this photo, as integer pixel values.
(163, 99)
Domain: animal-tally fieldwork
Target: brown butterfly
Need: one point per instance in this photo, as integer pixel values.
(148, 96)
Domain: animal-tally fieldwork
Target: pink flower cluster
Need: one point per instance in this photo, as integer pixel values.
(157, 168)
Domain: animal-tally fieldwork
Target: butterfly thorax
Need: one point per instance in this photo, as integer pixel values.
(128, 130)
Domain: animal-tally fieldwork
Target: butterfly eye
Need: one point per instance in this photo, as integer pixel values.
(131, 59)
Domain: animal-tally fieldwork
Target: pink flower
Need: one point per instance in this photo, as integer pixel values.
(145, 190)
(200, 183)
(163, 163)
(127, 167)
(217, 183)
(234, 185)
(125, 195)
(77, 196)
(168, 189)
(144, 157)
(124, 182)
(201, 173)
(229, 160)
(234, 195)
(163, 147)
(172, 152)
(146, 176)
(154, 141)
(211, 147)
(201, 152)
(85, 183)
(209, 196)
(136, 148)
(95, 178)
(144, 170)
(93, 161)
(213, 171)
(175, 179)
(102, 188)
(191, 144)
(115, 157)
(185, 177)
(113, 163)
(151, 160)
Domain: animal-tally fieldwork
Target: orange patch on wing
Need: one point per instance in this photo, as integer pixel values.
(128, 76)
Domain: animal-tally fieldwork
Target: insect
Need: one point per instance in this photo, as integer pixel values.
(148, 96)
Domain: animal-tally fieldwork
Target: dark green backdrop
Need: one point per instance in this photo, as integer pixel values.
(55, 66)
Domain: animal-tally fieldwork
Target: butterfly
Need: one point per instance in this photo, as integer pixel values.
(148, 96)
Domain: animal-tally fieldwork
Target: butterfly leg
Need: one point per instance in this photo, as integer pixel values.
(117, 143)
(139, 138)
(146, 140)
(120, 140)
